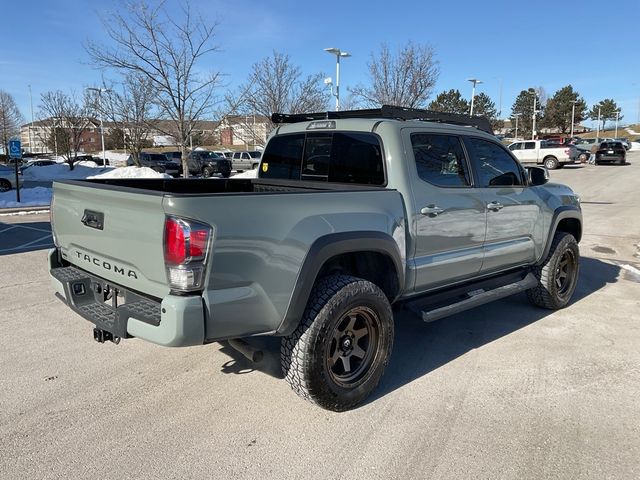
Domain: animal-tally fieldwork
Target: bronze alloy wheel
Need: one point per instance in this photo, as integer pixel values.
(353, 346)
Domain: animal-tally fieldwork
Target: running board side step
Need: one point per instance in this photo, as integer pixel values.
(472, 299)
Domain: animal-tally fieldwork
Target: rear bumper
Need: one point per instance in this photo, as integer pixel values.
(175, 321)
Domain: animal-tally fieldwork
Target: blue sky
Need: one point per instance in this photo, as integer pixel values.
(548, 44)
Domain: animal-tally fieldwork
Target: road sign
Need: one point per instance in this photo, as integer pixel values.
(15, 149)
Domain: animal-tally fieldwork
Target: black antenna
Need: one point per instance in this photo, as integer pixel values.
(391, 112)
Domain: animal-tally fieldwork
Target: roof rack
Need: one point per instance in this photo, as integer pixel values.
(391, 112)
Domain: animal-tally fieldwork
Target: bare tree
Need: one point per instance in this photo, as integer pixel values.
(405, 79)
(275, 84)
(68, 120)
(129, 107)
(10, 119)
(150, 42)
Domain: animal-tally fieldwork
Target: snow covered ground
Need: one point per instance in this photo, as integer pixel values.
(247, 174)
(29, 197)
(41, 196)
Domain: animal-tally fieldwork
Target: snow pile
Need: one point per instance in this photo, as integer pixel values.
(635, 146)
(61, 171)
(29, 197)
(130, 172)
(117, 159)
(247, 174)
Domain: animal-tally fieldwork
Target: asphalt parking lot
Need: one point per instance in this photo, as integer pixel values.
(504, 391)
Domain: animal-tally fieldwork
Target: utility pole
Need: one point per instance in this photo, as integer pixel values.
(475, 82)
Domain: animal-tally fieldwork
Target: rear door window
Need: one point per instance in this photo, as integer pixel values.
(440, 160)
(340, 157)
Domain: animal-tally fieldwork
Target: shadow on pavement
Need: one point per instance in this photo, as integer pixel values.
(420, 348)
(24, 237)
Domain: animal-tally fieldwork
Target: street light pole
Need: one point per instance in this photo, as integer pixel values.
(475, 82)
(31, 126)
(100, 91)
(516, 115)
(573, 114)
(617, 118)
(533, 127)
(598, 125)
(338, 53)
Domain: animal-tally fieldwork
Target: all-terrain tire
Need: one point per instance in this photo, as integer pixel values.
(313, 357)
(207, 172)
(558, 275)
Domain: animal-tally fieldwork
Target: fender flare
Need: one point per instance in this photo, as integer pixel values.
(561, 213)
(325, 248)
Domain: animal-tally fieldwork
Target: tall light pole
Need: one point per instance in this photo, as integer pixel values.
(598, 125)
(475, 82)
(573, 114)
(338, 53)
(516, 115)
(100, 91)
(617, 118)
(31, 126)
(533, 127)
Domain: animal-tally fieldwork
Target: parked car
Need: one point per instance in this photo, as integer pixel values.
(611, 152)
(158, 162)
(245, 160)
(208, 164)
(583, 146)
(37, 163)
(346, 218)
(625, 142)
(8, 179)
(539, 152)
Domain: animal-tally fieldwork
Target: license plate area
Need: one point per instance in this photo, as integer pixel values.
(106, 305)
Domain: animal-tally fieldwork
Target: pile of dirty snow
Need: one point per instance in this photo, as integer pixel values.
(247, 174)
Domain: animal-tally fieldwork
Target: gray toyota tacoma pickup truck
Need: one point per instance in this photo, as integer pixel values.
(352, 212)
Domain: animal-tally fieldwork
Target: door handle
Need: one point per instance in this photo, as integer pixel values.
(495, 206)
(431, 210)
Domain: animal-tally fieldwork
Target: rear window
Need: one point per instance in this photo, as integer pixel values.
(340, 157)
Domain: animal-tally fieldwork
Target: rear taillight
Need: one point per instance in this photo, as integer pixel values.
(567, 151)
(186, 244)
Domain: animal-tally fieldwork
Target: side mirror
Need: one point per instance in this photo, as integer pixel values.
(537, 175)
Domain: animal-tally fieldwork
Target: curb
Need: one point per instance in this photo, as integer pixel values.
(17, 210)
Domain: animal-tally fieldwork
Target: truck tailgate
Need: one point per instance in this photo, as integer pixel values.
(114, 234)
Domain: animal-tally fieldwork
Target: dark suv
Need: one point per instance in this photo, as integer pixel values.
(611, 152)
(207, 164)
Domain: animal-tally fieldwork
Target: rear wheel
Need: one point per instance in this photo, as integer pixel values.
(551, 163)
(558, 275)
(583, 157)
(338, 353)
(5, 185)
(207, 172)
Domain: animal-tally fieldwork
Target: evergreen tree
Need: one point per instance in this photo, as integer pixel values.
(524, 106)
(608, 109)
(450, 102)
(558, 110)
(483, 105)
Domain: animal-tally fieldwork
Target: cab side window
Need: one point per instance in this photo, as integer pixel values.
(493, 165)
(440, 160)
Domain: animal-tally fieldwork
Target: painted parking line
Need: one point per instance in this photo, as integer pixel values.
(28, 245)
(10, 228)
(30, 228)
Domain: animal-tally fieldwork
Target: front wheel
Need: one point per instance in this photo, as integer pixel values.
(338, 353)
(5, 185)
(558, 274)
(207, 172)
(551, 163)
